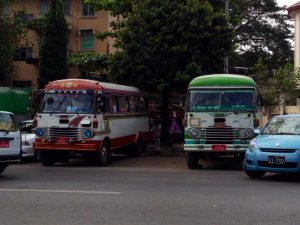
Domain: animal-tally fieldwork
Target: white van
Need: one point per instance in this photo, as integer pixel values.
(10, 140)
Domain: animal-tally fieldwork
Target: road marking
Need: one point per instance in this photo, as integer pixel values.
(62, 191)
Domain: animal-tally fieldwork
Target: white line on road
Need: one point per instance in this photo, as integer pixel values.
(62, 191)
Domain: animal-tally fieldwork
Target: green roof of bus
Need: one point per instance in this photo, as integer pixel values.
(222, 80)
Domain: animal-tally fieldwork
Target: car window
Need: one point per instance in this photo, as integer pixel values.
(7, 122)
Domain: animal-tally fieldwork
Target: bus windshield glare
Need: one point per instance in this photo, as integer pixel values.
(221, 100)
(67, 103)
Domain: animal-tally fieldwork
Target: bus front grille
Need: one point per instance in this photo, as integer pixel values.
(214, 135)
(73, 133)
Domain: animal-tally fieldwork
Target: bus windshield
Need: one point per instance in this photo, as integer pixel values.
(221, 100)
(67, 103)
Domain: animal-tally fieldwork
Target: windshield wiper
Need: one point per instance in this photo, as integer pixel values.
(60, 104)
(4, 130)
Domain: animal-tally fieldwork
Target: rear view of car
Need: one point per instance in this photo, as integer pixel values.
(10, 140)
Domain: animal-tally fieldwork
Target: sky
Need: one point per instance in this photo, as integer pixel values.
(286, 2)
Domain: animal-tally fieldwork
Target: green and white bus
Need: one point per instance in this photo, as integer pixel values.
(220, 116)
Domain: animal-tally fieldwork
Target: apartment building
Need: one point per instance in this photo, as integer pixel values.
(83, 24)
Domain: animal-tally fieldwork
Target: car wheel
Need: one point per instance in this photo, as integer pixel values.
(192, 160)
(104, 154)
(2, 168)
(253, 174)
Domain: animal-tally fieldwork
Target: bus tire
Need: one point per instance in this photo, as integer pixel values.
(104, 154)
(192, 160)
(2, 167)
(47, 158)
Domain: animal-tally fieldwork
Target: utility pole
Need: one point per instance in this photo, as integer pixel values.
(226, 56)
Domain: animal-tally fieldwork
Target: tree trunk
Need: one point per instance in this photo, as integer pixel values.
(165, 134)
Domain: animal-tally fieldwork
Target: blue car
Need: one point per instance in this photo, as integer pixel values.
(276, 148)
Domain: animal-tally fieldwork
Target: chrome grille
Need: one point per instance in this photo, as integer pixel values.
(214, 135)
(64, 132)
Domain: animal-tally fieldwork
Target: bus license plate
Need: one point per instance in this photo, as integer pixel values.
(4, 144)
(61, 140)
(218, 148)
(276, 160)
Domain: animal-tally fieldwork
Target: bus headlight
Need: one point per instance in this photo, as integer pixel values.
(193, 132)
(40, 132)
(246, 133)
(87, 133)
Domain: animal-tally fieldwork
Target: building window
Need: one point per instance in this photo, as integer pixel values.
(44, 6)
(87, 40)
(22, 54)
(66, 7)
(87, 10)
(24, 17)
(22, 83)
(5, 9)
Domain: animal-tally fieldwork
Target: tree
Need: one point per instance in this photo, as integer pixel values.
(88, 62)
(12, 31)
(261, 29)
(53, 51)
(165, 43)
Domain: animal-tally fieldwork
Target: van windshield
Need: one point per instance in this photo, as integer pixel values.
(67, 103)
(7, 122)
(221, 100)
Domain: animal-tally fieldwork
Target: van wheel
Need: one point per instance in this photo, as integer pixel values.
(47, 158)
(192, 160)
(104, 154)
(2, 168)
(253, 174)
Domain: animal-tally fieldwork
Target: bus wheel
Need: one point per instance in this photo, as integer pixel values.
(192, 160)
(47, 158)
(2, 168)
(104, 154)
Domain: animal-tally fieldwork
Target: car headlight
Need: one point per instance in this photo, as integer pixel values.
(253, 144)
(40, 132)
(246, 133)
(193, 132)
(87, 133)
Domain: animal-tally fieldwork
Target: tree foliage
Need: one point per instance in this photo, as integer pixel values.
(260, 29)
(53, 51)
(88, 62)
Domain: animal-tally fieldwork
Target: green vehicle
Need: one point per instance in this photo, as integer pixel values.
(220, 116)
(17, 101)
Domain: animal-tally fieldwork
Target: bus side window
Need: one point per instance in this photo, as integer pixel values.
(115, 107)
(142, 104)
(102, 103)
(134, 106)
(123, 103)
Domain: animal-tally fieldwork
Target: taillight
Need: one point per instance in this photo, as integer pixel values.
(256, 123)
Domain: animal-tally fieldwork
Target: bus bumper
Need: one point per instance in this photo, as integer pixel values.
(224, 148)
(45, 146)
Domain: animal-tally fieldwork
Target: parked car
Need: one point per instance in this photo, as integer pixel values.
(276, 148)
(10, 140)
(28, 136)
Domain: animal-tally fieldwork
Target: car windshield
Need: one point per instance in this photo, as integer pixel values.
(67, 103)
(224, 100)
(7, 122)
(282, 126)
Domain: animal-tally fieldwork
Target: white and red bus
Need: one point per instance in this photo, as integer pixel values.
(90, 119)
